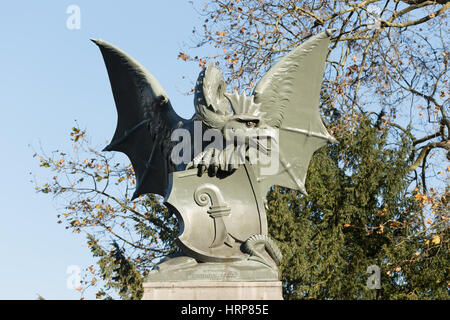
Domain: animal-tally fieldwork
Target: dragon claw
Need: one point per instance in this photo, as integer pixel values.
(213, 160)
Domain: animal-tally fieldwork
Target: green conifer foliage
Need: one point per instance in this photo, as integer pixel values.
(357, 213)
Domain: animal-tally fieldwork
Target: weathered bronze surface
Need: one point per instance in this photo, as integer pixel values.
(219, 195)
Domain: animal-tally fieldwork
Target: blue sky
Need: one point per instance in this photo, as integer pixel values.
(51, 76)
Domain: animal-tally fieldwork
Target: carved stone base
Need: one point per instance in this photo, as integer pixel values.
(213, 290)
(180, 277)
(183, 268)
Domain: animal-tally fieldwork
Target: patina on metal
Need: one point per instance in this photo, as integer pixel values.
(220, 202)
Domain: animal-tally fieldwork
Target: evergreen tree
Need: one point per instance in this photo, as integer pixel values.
(358, 213)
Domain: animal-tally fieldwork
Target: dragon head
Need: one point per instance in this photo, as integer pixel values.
(237, 116)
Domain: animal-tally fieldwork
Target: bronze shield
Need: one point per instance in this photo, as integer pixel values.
(216, 215)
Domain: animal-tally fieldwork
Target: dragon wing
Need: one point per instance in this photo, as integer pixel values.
(145, 120)
(289, 94)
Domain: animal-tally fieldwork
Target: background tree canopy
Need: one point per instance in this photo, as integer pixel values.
(379, 196)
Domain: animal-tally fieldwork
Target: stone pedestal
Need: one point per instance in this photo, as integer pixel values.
(213, 290)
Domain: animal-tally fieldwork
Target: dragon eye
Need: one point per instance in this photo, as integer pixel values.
(250, 124)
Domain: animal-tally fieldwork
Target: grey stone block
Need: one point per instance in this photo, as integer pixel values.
(213, 290)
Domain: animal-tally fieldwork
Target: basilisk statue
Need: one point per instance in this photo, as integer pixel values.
(219, 194)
